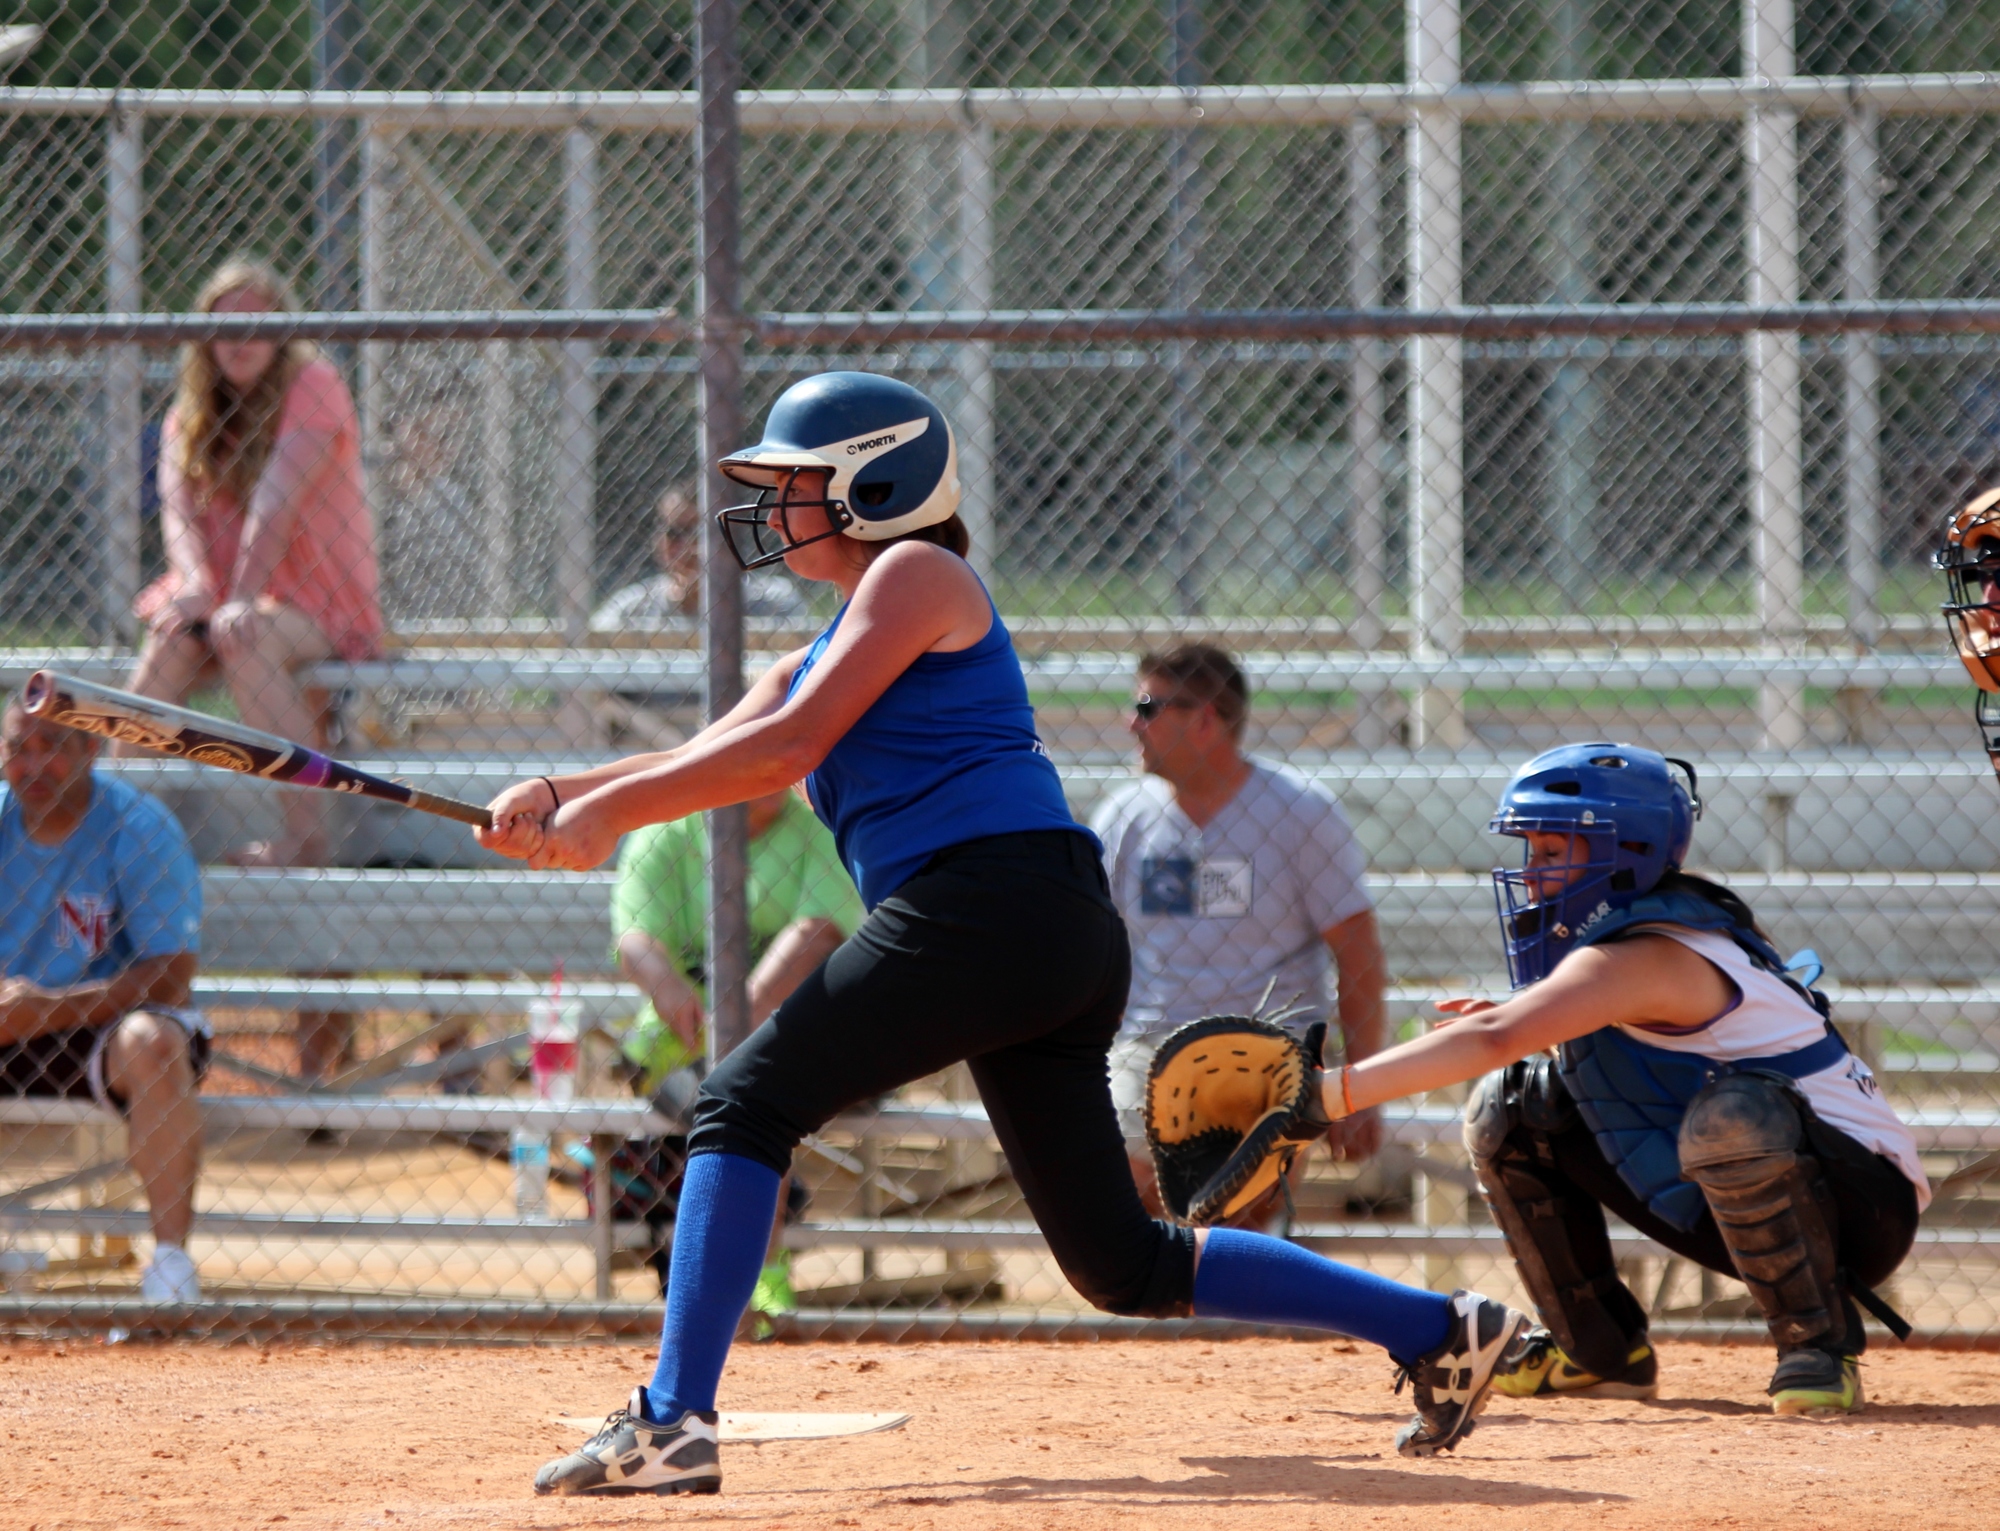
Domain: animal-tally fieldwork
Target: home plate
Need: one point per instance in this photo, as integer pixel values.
(778, 1427)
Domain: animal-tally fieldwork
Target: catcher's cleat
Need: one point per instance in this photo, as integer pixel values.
(1816, 1382)
(772, 1297)
(1451, 1383)
(1545, 1372)
(774, 1292)
(632, 1455)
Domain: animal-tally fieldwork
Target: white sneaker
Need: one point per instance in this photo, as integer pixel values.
(170, 1276)
(630, 1454)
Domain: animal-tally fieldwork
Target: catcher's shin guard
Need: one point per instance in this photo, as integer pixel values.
(1596, 1322)
(1741, 1142)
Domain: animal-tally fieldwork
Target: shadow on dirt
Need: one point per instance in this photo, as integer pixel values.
(1305, 1478)
(1725, 1406)
(1962, 1416)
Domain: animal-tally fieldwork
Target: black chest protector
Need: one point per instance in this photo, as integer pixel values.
(1632, 1096)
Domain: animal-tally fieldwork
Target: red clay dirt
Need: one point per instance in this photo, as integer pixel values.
(1252, 1434)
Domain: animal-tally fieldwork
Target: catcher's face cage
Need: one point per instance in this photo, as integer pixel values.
(1972, 615)
(761, 533)
(1542, 905)
(1986, 713)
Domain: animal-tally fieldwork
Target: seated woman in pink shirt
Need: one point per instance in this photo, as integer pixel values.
(270, 547)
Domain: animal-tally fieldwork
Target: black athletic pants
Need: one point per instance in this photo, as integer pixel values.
(1876, 1209)
(1008, 953)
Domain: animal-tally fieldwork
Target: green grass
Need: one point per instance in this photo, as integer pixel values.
(1323, 594)
(1541, 700)
(1236, 594)
(1893, 1040)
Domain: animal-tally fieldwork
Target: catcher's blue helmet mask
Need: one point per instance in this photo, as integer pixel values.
(1629, 820)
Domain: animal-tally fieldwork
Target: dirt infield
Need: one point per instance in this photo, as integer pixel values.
(1251, 1434)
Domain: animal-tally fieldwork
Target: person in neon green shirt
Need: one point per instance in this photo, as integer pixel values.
(802, 905)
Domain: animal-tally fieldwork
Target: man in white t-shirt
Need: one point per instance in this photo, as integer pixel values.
(1233, 876)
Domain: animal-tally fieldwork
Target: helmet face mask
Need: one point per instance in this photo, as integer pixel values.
(883, 455)
(760, 533)
(1544, 904)
(1970, 559)
(1986, 714)
(1627, 822)
(1972, 619)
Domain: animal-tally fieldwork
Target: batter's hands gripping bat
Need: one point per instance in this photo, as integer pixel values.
(133, 719)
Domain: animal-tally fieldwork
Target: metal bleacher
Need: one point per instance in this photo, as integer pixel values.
(1875, 928)
(1891, 899)
(1072, 671)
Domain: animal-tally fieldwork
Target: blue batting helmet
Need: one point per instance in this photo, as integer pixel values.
(887, 451)
(1629, 820)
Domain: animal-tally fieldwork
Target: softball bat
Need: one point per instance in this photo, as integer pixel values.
(132, 719)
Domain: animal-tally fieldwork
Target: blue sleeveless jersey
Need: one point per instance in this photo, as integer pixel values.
(947, 754)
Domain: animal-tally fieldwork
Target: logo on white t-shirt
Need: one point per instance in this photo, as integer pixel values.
(85, 921)
(1219, 887)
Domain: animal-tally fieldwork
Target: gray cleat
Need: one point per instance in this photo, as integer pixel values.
(630, 1454)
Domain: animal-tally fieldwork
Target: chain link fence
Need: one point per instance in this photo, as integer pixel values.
(1149, 259)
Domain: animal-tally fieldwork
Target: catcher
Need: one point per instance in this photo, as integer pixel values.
(1970, 558)
(1658, 1058)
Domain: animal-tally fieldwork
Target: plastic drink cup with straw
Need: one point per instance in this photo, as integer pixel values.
(553, 1027)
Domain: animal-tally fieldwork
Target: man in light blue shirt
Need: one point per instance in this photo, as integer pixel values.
(99, 935)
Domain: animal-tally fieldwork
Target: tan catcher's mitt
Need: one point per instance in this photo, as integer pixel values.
(1229, 1103)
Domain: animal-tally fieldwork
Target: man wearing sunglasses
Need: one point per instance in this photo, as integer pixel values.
(1235, 877)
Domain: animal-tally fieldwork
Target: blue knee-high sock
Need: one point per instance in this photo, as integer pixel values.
(719, 1239)
(1249, 1276)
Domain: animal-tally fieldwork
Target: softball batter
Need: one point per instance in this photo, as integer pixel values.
(990, 938)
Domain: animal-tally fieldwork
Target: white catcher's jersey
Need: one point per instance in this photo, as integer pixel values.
(1769, 1018)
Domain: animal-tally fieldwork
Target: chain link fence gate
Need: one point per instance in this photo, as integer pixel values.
(1482, 378)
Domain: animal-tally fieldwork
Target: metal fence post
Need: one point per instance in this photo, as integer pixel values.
(1862, 454)
(1571, 401)
(948, 207)
(497, 593)
(577, 504)
(124, 376)
(718, 156)
(1861, 414)
(978, 467)
(1184, 291)
(1367, 429)
(376, 159)
(338, 29)
(1777, 463)
(1437, 372)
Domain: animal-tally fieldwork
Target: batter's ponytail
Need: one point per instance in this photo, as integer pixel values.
(949, 534)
